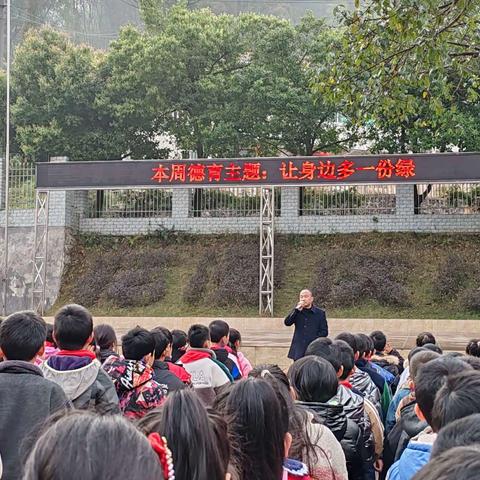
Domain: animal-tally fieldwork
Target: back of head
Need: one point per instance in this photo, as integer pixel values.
(313, 379)
(460, 463)
(324, 348)
(459, 433)
(198, 335)
(184, 422)
(50, 334)
(267, 371)
(218, 330)
(73, 326)
(458, 398)
(348, 338)
(105, 337)
(379, 340)
(433, 347)
(235, 337)
(421, 359)
(114, 448)
(364, 344)
(414, 351)
(179, 339)
(166, 332)
(161, 342)
(347, 358)
(22, 335)
(424, 338)
(474, 362)
(473, 348)
(430, 379)
(137, 343)
(258, 423)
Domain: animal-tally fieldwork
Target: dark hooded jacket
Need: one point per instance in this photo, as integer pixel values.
(346, 431)
(166, 378)
(26, 401)
(84, 382)
(226, 356)
(391, 363)
(353, 405)
(137, 390)
(104, 354)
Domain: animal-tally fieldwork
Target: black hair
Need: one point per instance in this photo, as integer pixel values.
(460, 463)
(474, 362)
(363, 344)
(425, 337)
(258, 423)
(50, 334)
(313, 379)
(184, 422)
(459, 433)
(220, 432)
(22, 335)
(433, 347)
(324, 347)
(458, 397)
(421, 359)
(114, 449)
(235, 337)
(218, 330)
(105, 337)
(137, 343)
(347, 357)
(198, 335)
(72, 327)
(161, 342)
(179, 342)
(166, 332)
(379, 340)
(430, 379)
(302, 448)
(179, 339)
(473, 348)
(350, 339)
(414, 351)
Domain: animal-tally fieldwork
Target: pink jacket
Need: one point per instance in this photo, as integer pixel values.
(245, 365)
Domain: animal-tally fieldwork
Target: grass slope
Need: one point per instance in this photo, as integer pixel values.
(300, 257)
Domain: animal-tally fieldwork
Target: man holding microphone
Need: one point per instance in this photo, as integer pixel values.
(310, 323)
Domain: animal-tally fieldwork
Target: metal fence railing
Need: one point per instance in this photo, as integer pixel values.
(339, 200)
(129, 203)
(21, 181)
(447, 199)
(228, 202)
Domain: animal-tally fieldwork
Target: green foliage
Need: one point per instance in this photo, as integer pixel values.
(55, 84)
(408, 73)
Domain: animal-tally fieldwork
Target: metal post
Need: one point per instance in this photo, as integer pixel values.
(40, 250)
(7, 170)
(267, 216)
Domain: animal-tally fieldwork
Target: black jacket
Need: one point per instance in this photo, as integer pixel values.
(346, 431)
(162, 374)
(404, 430)
(310, 323)
(26, 401)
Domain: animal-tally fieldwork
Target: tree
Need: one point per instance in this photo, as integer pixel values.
(55, 85)
(408, 72)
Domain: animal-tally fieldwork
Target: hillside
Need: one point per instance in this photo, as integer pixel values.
(363, 275)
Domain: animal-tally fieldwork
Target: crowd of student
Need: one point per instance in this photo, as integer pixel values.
(189, 406)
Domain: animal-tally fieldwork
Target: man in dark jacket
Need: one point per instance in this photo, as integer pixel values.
(310, 323)
(26, 398)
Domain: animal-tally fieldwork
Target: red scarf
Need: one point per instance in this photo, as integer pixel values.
(77, 353)
(346, 384)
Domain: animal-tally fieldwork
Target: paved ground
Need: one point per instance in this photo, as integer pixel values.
(270, 332)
